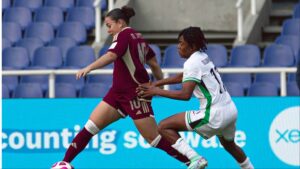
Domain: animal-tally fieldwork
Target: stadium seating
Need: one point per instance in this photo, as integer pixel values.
(218, 54)
(292, 89)
(245, 56)
(42, 80)
(277, 55)
(5, 92)
(103, 50)
(94, 90)
(74, 30)
(80, 56)
(41, 30)
(234, 89)
(175, 86)
(291, 27)
(6, 4)
(11, 31)
(157, 52)
(90, 3)
(171, 58)
(244, 79)
(30, 4)
(70, 79)
(19, 15)
(31, 44)
(64, 44)
(84, 15)
(49, 57)
(29, 90)
(5, 44)
(64, 5)
(262, 89)
(296, 13)
(65, 90)
(52, 15)
(102, 78)
(10, 81)
(290, 40)
(15, 57)
(291, 77)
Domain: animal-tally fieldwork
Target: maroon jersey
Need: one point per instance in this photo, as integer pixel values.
(132, 52)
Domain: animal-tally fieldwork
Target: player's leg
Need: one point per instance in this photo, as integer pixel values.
(103, 115)
(169, 129)
(236, 152)
(148, 128)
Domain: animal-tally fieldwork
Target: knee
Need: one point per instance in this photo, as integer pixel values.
(162, 126)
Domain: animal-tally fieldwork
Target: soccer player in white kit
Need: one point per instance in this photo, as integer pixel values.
(217, 114)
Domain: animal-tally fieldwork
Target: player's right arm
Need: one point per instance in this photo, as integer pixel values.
(102, 61)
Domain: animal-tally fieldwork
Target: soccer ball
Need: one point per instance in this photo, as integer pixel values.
(61, 165)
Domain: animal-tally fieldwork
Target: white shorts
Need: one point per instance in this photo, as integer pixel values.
(219, 121)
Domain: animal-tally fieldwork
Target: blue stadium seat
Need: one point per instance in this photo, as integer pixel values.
(15, 57)
(292, 89)
(103, 50)
(291, 27)
(245, 56)
(94, 90)
(52, 15)
(268, 77)
(42, 80)
(5, 92)
(175, 86)
(65, 90)
(171, 58)
(292, 77)
(70, 79)
(29, 90)
(30, 4)
(31, 44)
(157, 52)
(74, 30)
(11, 31)
(49, 57)
(102, 78)
(218, 54)
(19, 15)
(296, 13)
(6, 4)
(64, 5)
(84, 15)
(234, 89)
(5, 44)
(241, 78)
(10, 81)
(90, 3)
(64, 44)
(80, 56)
(263, 89)
(277, 55)
(290, 40)
(41, 30)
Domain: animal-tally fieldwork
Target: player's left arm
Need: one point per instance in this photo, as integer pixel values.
(155, 68)
(184, 94)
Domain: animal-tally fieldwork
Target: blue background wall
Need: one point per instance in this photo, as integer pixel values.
(50, 124)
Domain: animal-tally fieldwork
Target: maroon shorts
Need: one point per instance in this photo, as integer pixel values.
(127, 104)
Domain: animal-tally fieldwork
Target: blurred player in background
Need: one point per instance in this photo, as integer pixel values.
(129, 52)
(217, 114)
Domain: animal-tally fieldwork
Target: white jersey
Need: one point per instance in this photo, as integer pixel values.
(210, 89)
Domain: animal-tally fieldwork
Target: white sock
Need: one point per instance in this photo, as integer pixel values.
(182, 147)
(91, 127)
(246, 164)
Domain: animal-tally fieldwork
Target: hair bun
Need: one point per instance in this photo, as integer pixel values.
(128, 11)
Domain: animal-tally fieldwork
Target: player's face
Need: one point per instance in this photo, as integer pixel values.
(184, 49)
(112, 26)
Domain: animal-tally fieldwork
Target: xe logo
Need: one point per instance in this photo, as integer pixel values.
(284, 136)
(288, 136)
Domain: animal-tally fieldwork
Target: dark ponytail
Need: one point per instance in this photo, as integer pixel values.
(124, 13)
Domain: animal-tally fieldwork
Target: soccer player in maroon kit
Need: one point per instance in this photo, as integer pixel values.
(129, 52)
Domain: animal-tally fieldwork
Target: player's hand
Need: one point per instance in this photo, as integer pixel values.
(147, 90)
(82, 72)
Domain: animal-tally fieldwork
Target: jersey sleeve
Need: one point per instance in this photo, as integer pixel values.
(192, 72)
(150, 53)
(120, 44)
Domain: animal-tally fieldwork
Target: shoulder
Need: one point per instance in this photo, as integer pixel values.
(125, 33)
